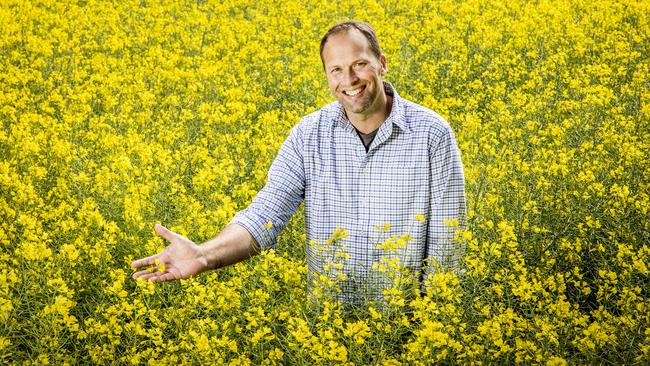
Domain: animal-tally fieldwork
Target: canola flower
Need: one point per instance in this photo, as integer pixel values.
(117, 115)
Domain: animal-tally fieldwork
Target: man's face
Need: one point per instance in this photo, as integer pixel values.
(354, 74)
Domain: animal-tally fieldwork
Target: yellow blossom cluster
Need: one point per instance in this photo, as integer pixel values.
(117, 115)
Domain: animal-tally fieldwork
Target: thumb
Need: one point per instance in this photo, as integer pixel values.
(165, 233)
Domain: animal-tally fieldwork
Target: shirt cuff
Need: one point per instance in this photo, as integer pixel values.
(261, 229)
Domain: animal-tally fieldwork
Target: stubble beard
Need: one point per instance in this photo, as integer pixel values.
(356, 108)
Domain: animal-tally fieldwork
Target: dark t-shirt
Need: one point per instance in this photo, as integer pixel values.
(367, 138)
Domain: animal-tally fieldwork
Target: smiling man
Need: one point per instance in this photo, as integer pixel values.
(369, 159)
(354, 69)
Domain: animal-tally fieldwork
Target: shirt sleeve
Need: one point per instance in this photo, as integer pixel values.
(270, 211)
(448, 208)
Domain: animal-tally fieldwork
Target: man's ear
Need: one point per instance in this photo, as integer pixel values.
(384, 65)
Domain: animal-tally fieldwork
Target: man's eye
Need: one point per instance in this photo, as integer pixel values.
(334, 71)
(360, 64)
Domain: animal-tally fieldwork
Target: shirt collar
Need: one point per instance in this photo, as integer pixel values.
(396, 116)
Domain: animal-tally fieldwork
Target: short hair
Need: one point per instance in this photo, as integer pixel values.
(344, 27)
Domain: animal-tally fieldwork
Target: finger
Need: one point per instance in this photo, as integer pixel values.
(163, 232)
(140, 274)
(164, 277)
(145, 262)
(149, 275)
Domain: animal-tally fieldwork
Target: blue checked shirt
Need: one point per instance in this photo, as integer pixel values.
(412, 169)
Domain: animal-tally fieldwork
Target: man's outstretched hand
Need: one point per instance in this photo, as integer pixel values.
(181, 259)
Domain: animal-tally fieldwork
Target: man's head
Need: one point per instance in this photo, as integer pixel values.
(354, 66)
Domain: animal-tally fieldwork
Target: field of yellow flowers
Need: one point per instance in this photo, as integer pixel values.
(117, 115)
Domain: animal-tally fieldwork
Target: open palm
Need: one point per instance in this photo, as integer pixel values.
(179, 260)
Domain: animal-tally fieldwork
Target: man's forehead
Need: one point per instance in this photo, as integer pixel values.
(350, 35)
(346, 44)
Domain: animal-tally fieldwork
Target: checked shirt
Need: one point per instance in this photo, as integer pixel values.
(411, 178)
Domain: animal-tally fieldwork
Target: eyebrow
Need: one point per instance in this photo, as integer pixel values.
(353, 62)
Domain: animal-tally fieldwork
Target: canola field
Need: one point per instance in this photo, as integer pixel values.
(117, 115)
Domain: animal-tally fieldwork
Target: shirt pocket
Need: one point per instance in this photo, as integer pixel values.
(400, 185)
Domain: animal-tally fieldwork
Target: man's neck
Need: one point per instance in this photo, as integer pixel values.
(368, 123)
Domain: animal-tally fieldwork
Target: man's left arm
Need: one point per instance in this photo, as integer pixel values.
(447, 203)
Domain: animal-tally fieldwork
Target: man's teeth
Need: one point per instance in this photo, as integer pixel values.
(353, 92)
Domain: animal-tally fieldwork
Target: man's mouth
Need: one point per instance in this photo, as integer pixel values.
(353, 92)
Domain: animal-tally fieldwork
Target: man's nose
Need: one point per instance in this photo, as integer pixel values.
(350, 76)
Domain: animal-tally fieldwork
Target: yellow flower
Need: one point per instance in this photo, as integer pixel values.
(384, 227)
(451, 222)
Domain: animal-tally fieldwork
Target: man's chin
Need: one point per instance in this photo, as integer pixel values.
(354, 108)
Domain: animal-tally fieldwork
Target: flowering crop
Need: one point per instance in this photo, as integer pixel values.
(120, 114)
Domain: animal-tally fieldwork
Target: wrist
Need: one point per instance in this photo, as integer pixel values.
(207, 257)
(232, 245)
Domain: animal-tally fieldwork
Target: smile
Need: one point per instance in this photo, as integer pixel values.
(353, 92)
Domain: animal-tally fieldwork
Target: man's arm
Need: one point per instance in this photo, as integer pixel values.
(277, 202)
(448, 205)
(252, 229)
(183, 259)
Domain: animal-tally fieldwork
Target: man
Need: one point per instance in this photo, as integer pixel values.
(368, 159)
